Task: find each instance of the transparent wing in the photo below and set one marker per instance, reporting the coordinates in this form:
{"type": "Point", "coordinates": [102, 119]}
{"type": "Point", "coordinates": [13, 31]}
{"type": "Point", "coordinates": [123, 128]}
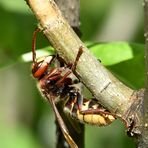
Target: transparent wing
{"type": "Point", "coordinates": [61, 122]}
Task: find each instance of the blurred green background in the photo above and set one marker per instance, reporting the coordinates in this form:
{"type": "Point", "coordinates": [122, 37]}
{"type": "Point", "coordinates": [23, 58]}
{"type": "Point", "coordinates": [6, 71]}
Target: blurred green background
{"type": "Point", "coordinates": [26, 121]}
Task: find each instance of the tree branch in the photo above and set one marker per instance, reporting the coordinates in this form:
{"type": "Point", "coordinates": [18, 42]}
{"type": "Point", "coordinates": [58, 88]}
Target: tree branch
{"type": "Point", "coordinates": [143, 139]}
{"type": "Point", "coordinates": [70, 10]}
{"type": "Point", "coordinates": [109, 91]}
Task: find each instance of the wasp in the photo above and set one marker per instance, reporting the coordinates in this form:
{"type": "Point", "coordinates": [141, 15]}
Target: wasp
{"type": "Point", "coordinates": [56, 85]}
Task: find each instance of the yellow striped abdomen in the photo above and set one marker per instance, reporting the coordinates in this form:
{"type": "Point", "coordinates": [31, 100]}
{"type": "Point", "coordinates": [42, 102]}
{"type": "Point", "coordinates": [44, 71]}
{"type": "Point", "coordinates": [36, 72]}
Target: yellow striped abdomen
{"type": "Point", "coordinates": [91, 113]}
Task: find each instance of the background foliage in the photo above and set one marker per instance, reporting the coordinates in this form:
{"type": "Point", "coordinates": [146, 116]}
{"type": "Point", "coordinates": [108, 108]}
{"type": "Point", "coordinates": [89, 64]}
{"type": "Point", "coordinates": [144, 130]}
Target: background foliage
{"type": "Point", "coordinates": [26, 121]}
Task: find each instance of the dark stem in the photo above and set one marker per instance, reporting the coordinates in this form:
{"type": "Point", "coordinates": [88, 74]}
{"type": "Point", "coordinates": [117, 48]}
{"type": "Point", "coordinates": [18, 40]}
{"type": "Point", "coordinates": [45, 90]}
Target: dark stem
{"type": "Point", "coordinates": [143, 139]}
{"type": "Point", "coordinates": [70, 10]}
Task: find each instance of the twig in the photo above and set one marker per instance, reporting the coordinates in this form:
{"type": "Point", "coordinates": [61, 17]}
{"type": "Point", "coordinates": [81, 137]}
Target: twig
{"type": "Point", "coordinates": [142, 141]}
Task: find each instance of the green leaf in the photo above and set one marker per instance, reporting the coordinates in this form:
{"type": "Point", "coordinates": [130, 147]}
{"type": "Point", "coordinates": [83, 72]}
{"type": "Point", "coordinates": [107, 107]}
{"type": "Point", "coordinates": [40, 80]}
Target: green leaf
{"type": "Point", "coordinates": [114, 52]}
{"type": "Point", "coordinates": [27, 57]}
{"type": "Point", "coordinates": [125, 60]}
{"type": "Point", "coordinates": [131, 72]}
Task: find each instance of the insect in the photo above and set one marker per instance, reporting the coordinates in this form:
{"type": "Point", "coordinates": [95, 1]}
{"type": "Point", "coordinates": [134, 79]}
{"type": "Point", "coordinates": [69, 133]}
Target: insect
{"type": "Point", "coordinates": [52, 84]}
{"type": "Point", "coordinates": [56, 85]}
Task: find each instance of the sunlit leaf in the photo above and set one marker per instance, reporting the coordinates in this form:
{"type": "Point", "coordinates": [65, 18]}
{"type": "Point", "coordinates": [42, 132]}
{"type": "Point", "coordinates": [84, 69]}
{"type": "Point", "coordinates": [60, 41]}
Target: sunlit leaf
{"type": "Point", "coordinates": [125, 60]}
{"type": "Point", "coordinates": [27, 57]}
{"type": "Point", "coordinates": [115, 52]}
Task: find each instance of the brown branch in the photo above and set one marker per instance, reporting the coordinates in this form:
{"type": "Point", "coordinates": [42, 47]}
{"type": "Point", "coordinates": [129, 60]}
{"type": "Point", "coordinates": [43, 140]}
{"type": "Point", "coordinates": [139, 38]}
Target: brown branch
{"type": "Point", "coordinates": [70, 10]}
{"type": "Point", "coordinates": [110, 92]}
